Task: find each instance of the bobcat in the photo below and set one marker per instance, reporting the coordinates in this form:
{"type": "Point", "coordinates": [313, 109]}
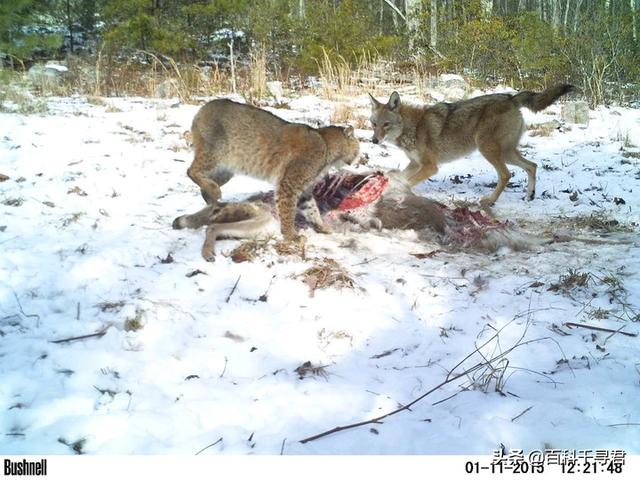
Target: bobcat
{"type": "Point", "coordinates": [230, 137]}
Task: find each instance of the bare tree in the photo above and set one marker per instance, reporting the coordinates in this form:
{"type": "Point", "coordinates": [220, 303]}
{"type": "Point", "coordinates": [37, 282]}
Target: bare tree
{"type": "Point", "coordinates": [434, 24]}
{"type": "Point", "coordinates": [555, 15]}
{"type": "Point", "coordinates": [487, 7]}
{"type": "Point", "coordinates": [632, 6]}
{"type": "Point", "coordinates": [576, 15]}
{"type": "Point", "coordinates": [566, 14]}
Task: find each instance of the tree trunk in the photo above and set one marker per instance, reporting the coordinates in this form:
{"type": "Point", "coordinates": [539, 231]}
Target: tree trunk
{"type": "Point", "coordinates": [556, 15]}
{"type": "Point", "coordinates": [434, 24]}
{"type": "Point", "coordinates": [576, 15]}
{"type": "Point", "coordinates": [70, 26]}
{"type": "Point", "coordinates": [522, 5]}
{"type": "Point", "coordinates": [634, 26]}
{"type": "Point", "coordinates": [487, 7]}
{"type": "Point", "coordinates": [233, 66]}
{"type": "Point", "coordinates": [566, 15]}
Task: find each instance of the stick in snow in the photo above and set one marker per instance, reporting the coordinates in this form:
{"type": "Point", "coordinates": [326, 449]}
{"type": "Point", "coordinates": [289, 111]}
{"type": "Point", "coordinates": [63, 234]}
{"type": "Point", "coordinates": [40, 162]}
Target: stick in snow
{"type": "Point", "coordinates": [233, 289]}
{"type": "Point", "coordinates": [208, 446]}
{"type": "Point", "coordinates": [449, 378]}
{"type": "Point", "coordinates": [600, 329]}
{"type": "Point", "coordinates": [81, 337]}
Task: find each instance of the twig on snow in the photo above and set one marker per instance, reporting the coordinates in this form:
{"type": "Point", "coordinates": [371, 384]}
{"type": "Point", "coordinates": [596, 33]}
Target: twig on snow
{"type": "Point", "coordinates": [209, 446]}
{"type": "Point", "coordinates": [600, 329]}
{"type": "Point", "coordinates": [224, 369]}
{"type": "Point", "coordinates": [32, 315]}
{"type": "Point", "coordinates": [522, 413]}
{"type": "Point", "coordinates": [233, 289]}
{"type": "Point", "coordinates": [451, 377]}
{"type": "Point", "coordinates": [81, 337]}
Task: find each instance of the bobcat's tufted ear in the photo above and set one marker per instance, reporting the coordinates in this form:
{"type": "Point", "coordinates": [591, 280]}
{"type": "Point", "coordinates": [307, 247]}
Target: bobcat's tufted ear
{"type": "Point", "coordinates": [394, 101]}
{"type": "Point", "coordinates": [349, 132]}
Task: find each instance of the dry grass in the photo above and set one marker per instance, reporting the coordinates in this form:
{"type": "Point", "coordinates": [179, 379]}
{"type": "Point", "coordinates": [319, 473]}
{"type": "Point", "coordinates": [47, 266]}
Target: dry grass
{"type": "Point", "coordinates": [598, 314]}
{"type": "Point", "coordinates": [339, 79]}
{"type": "Point", "coordinates": [345, 113]}
{"type": "Point", "coordinates": [257, 88]}
{"type": "Point", "coordinates": [545, 129]}
{"type": "Point", "coordinates": [16, 94]}
{"type": "Point", "coordinates": [152, 75]}
{"type": "Point", "coordinates": [623, 137]}
{"type": "Point", "coordinates": [571, 280]}
{"type": "Point", "coordinates": [286, 248]}
{"type": "Point", "coordinates": [600, 222]}
{"type": "Point", "coordinates": [135, 323]}
{"type": "Point", "coordinates": [326, 273]}
{"type": "Point", "coordinates": [71, 218]}
{"type": "Point", "coordinates": [111, 306]}
{"type": "Point", "coordinates": [158, 77]}
{"type": "Point", "coordinates": [309, 369]}
{"type": "Point", "coordinates": [248, 251]}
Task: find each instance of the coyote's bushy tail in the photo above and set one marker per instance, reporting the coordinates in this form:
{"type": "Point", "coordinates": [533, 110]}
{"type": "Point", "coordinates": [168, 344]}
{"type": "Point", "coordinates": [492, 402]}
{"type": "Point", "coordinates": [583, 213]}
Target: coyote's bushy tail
{"type": "Point", "coordinates": [539, 101]}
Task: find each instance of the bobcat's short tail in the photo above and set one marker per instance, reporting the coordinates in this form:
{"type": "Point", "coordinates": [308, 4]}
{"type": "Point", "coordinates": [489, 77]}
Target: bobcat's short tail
{"type": "Point", "coordinates": [539, 101]}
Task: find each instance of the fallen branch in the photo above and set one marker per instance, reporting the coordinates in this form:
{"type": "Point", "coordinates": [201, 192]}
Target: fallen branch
{"type": "Point", "coordinates": [448, 379]}
{"type": "Point", "coordinates": [522, 413]}
{"type": "Point", "coordinates": [284, 440]}
{"type": "Point", "coordinates": [81, 337]}
{"type": "Point", "coordinates": [27, 315]}
{"type": "Point", "coordinates": [225, 367]}
{"type": "Point", "coordinates": [209, 446]}
{"type": "Point", "coordinates": [233, 289]}
{"type": "Point", "coordinates": [600, 329]}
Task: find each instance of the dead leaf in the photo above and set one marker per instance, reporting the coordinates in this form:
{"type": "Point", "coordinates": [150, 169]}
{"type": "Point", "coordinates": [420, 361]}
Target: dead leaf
{"type": "Point", "coordinates": [77, 190]}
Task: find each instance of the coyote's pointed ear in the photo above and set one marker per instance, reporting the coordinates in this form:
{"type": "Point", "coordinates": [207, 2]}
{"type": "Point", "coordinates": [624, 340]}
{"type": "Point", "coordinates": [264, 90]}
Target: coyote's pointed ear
{"type": "Point", "coordinates": [349, 132]}
{"type": "Point", "coordinates": [394, 101]}
{"type": "Point", "coordinates": [374, 103]}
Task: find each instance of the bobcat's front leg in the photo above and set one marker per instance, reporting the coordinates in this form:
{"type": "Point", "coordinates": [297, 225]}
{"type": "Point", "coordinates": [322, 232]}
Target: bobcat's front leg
{"type": "Point", "coordinates": [308, 206]}
{"type": "Point", "coordinates": [287, 199]}
{"type": "Point", "coordinates": [297, 176]}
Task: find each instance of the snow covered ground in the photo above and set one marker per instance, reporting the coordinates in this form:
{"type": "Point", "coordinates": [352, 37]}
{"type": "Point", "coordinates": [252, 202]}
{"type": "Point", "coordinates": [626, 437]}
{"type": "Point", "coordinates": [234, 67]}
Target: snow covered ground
{"type": "Point", "coordinates": [186, 361]}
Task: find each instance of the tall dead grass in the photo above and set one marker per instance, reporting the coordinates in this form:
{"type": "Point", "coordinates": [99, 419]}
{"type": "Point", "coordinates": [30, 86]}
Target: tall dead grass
{"type": "Point", "coordinates": [159, 76]}
{"type": "Point", "coordinates": [340, 79]}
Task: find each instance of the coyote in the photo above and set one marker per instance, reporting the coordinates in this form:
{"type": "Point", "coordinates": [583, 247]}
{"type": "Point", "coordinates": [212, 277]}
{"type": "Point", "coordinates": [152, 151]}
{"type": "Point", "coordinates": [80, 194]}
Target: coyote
{"type": "Point", "coordinates": [230, 137]}
{"type": "Point", "coordinates": [443, 132]}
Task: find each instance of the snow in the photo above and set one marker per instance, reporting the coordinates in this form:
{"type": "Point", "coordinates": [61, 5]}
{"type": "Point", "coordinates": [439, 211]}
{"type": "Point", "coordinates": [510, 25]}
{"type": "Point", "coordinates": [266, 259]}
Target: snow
{"type": "Point", "coordinates": [57, 67]}
{"type": "Point", "coordinates": [85, 220]}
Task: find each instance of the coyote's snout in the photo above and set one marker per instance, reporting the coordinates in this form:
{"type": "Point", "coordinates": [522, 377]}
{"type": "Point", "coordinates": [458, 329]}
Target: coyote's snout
{"type": "Point", "coordinates": [439, 133]}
